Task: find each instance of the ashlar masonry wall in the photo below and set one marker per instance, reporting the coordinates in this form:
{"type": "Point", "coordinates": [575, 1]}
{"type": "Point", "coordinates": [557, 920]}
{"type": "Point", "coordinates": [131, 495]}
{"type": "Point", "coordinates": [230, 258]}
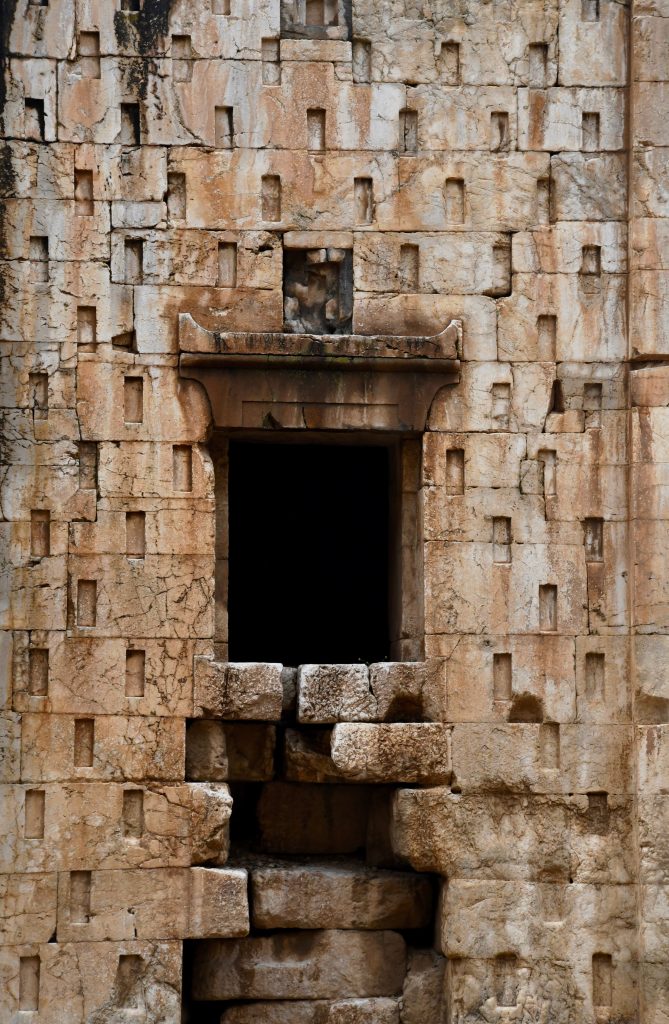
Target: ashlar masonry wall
{"type": "Point", "coordinates": [478, 832]}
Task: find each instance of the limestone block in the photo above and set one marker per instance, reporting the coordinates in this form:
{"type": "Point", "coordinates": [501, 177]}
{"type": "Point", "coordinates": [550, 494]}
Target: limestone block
{"type": "Point", "coordinates": [650, 197]}
{"type": "Point", "coordinates": [404, 691]}
{"type": "Point", "coordinates": [157, 310]}
{"type": "Point", "coordinates": [653, 755]}
{"type": "Point", "coordinates": [608, 594]}
{"type": "Point", "coordinates": [649, 303]}
{"type": "Point", "coordinates": [146, 470]}
{"type": "Point", "coordinates": [559, 249]}
{"type": "Point", "coordinates": [33, 78]}
{"type": "Point", "coordinates": [654, 991]}
{"type": "Point", "coordinates": [654, 931]}
{"type": "Point", "coordinates": [414, 314]}
{"type": "Point", "coordinates": [334, 693]}
{"type": "Point", "coordinates": [651, 578]}
{"type": "Point", "coordinates": [512, 836]}
{"type": "Point", "coordinates": [171, 409]}
{"type": "Point", "coordinates": [487, 918]}
{"type": "Point", "coordinates": [488, 586]}
{"type": "Point", "coordinates": [29, 907]}
{"type": "Point", "coordinates": [393, 753]}
{"type": "Point", "coordinates": [113, 749]}
{"type": "Point", "coordinates": [150, 903]}
{"type": "Point", "coordinates": [588, 186]}
{"type": "Point", "coordinates": [551, 119]}
{"type": "Point", "coordinates": [649, 128]}
{"type": "Point", "coordinates": [491, 460]}
{"type": "Point", "coordinates": [499, 192]}
{"type": "Point", "coordinates": [653, 838]}
{"type": "Point", "coordinates": [96, 981]}
{"type": "Point", "coordinates": [592, 758]}
{"type": "Point", "coordinates": [218, 751]}
{"type": "Point", "coordinates": [459, 118]}
{"type": "Point", "coordinates": [40, 171]}
{"type": "Point", "coordinates": [448, 262]}
{"type": "Point", "coordinates": [218, 903]}
{"type": "Point", "coordinates": [167, 531]}
{"type": "Point", "coordinates": [304, 819]}
{"type": "Point", "coordinates": [34, 596]}
{"type": "Point", "coordinates": [161, 595]}
{"type": "Point", "coordinates": [306, 757]}
{"type": "Point", "coordinates": [338, 896]}
{"type": "Point", "coordinates": [324, 965]}
{"type": "Point", "coordinates": [651, 700]}
{"type": "Point", "coordinates": [10, 746]}
{"type": "Point", "coordinates": [231, 36]}
{"type": "Point", "coordinates": [105, 676]}
{"type": "Point", "coordinates": [125, 174]}
{"type": "Point", "coordinates": [250, 690]}
{"type": "Point", "coordinates": [315, 1011]}
{"type": "Point", "coordinates": [157, 826]}
{"type": "Point", "coordinates": [424, 987]}
{"type": "Point", "coordinates": [589, 327]}
{"type": "Point", "coordinates": [68, 234]}
{"type": "Point", "coordinates": [41, 32]}
{"type": "Point", "coordinates": [464, 409]}
{"type": "Point", "coordinates": [514, 676]}
{"type": "Point", "coordinates": [602, 674]}
{"type": "Point", "coordinates": [593, 53]}
{"type": "Point", "coordinates": [468, 517]}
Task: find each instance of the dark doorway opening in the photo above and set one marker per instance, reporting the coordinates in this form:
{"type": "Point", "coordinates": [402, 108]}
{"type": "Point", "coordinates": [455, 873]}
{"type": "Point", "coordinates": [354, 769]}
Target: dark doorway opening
{"type": "Point", "coordinates": [309, 553]}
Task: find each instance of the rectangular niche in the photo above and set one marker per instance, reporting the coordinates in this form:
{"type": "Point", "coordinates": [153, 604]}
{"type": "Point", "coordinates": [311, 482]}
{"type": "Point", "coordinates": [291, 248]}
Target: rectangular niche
{"type": "Point", "coordinates": [318, 291]}
{"type": "Point", "coordinates": [319, 557]}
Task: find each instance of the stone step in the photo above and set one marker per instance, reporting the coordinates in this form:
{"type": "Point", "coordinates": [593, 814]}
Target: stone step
{"type": "Point", "coordinates": [418, 753]}
{"type": "Point", "coordinates": [330, 964]}
{"type": "Point", "coordinates": [338, 896]}
{"type": "Point", "coordinates": [316, 1011]}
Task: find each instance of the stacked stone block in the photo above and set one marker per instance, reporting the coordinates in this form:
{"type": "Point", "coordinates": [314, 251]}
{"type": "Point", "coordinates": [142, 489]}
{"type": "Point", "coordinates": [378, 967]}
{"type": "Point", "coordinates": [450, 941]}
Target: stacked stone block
{"type": "Point", "coordinates": [499, 163]}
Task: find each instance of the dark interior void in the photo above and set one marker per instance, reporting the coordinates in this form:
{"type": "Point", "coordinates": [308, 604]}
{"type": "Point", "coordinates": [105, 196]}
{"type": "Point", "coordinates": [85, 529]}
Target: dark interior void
{"type": "Point", "coordinates": [309, 550]}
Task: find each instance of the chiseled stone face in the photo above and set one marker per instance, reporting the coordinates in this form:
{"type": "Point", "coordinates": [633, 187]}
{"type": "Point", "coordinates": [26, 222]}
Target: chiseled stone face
{"type": "Point", "coordinates": [434, 233]}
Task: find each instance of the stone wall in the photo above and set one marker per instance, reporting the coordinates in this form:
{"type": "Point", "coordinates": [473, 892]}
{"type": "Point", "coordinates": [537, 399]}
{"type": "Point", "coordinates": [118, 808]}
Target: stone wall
{"type": "Point", "coordinates": [476, 831]}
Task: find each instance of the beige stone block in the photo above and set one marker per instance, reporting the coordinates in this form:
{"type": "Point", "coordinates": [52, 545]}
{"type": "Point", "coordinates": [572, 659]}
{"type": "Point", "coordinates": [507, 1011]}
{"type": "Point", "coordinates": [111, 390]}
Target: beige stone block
{"type": "Point", "coordinates": [29, 907]}
{"type": "Point", "coordinates": [125, 174]}
{"type": "Point", "coordinates": [552, 119]}
{"type": "Point", "coordinates": [592, 758]}
{"type": "Point", "coordinates": [651, 578]}
{"type": "Point", "coordinates": [41, 171]}
{"type": "Point", "coordinates": [146, 469]}
{"type": "Point", "coordinates": [240, 751]}
{"type": "Point", "coordinates": [84, 822]}
{"type": "Point", "coordinates": [649, 303]}
{"type": "Point", "coordinates": [338, 896]}
{"type": "Point", "coordinates": [392, 753]}
{"type": "Point", "coordinates": [167, 531]}
{"type": "Point", "coordinates": [219, 903]}
{"type": "Point", "coordinates": [112, 748]}
{"type": "Point", "coordinates": [10, 746]}
{"type": "Point", "coordinates": [163, 595]}
{"type": "Point", "coordinates": [653, 754]}
{"type": "Point", "coordinates": [334, 693]}
{"type": "Point", "coordinates": [312, 819]}
{"type": "Point", "coordinates": [469, 408]}
{"type": "Point", "coordinates": [491, 460]}
{"type": "Point", "coordinates": [588, 186]}
{"type": "Point", "coordinates": [105, 676]}
{"type": "Point", "coordinates": [250, 690]}
{"type": "Point", "coordinates": [515, 676]}
{"type": "Point", "coordinates": [593, 52]}
{"type": "Point", "coordinates": [558, 249]}
{"type": "Point", "coordinates": [648, 182]}
{"type": "Point", "coordinates": [85, 981]}
{"type": "Point", "coordinates": [427, 315]}
{"type": "Point", "coordinates": [306, 757]}
{"type": "Point", "coordinates": [34, 596]}
{"type": "Point", "coordinates": [405, 691]}
{"type": "Point", "coordinates": [651, 699]}
{"type": "Point", "coordinates": [649, 126]}
{"type": "Point", "coordinates": [170, 409]}
{"type": "Point", "coordinates": [654, 992]}
{"type": "Point", "coordinates": [233, 36]}
{"type": "Point", "coordinates": [459, 118]}
{"type": "Point", "coordinates": [41, 32]}
{"type": "Point", "coordinates": [313, 1011]}
{"type": "Point", "coordinates": [499, 192]}
{"type": "Point", "coordinates": [488, 918]}
{"type": "Point", "coordinates": [653, 811]}
{"type": "Point", "coordinates": [151, 903]}
{"type": "Point", "coordinates": [654, 929]}
{"type": "Point", "coordinates": [337, 964]}
{"type": "Point", "coordinates": [505, 598]}
{"type": "Point", "coordinates": [69, 235]}
{"type": "Point", "coordinates": [424, 987]}
{"type": "Point", "coordinates": [589, 325]}
{"type": "Point", "coordinates": [602, 679]}
{"type": "Point", "coordinates": [33, 78]}
{"type": "Point", "coordinates": [468, 263]}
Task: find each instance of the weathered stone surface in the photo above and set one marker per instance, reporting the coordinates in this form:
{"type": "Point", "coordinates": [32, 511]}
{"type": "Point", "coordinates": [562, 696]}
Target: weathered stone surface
{"type": "Point", "coordinates": [393, 753]}
{"type": "Point", "coordinates": [316, 1011]}
{"type": "Point", "coordinates": [339, 897]}
{"type": "Point", "coordinates": [318, 965]}
{"type": "Point", "coordinates": [237, 690]}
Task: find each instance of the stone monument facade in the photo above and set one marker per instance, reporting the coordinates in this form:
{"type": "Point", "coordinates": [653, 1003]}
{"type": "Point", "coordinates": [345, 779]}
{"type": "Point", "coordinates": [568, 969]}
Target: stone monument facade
{"type": "Point", "coordinates": [334, 501]}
